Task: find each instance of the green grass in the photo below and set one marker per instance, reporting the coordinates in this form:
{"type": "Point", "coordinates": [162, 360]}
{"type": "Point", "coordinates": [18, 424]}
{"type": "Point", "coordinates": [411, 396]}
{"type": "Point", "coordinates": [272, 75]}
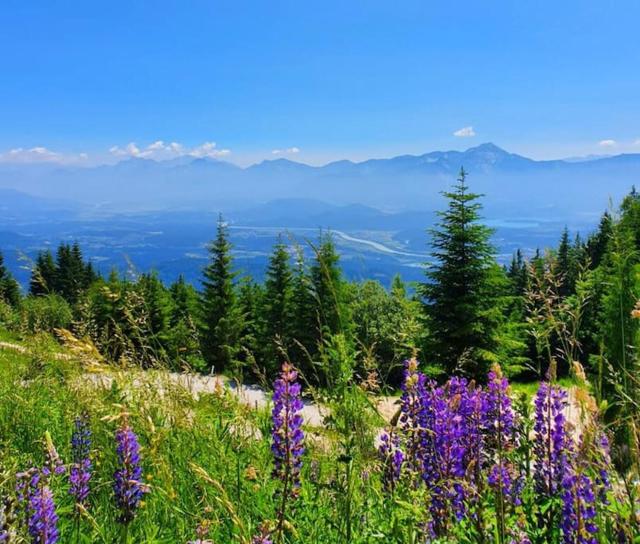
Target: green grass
{"type": "Point", "coordinates": [183, 439]}
{"type": "Point", "coordinates": [206, 459]}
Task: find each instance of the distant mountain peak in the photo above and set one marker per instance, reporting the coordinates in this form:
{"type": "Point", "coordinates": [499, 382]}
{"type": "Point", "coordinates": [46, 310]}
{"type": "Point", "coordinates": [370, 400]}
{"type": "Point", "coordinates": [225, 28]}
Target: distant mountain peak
{"type": "Point", "coordinates": [488, 147]}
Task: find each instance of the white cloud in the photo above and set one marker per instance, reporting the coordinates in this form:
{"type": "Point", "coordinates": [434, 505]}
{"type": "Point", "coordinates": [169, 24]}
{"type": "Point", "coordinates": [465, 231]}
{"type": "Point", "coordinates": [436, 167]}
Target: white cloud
{"type": "Point", "coordinates": [160, 150]}
{"type": "Point", "coordinates": [288, 151]}
{"type": "Point", "coordinates": [208, 149]}
{"type": "Point", "coordinates": [465, 132]}
{"type": "Point", "coordinates": [607, 143]}
{"type": "Point", "coordinates": [39, 154]}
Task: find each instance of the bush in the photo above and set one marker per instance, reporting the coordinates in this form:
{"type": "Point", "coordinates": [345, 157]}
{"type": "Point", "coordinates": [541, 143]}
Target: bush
{"type": "Point", "coordinates": [44, 314]}
{"type": "Point", "coordinates": [8, 317]}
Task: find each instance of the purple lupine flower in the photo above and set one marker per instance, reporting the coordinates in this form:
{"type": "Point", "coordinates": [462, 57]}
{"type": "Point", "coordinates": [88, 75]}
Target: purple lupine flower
{"type": "Point", "coordinates": [43, 519]}
{"type": "Point", "coordinates": [128, 486]}
{"type": "Point", "coordinates": [500, 437]}
{"type": "Point", "coordinates": [474, 409]}
{"type": "Point", "coordinates": [287, 435]}
{"type": "Point", "coordinates": [578, 509]}
{"type": "Point", "coordinates": [602, 462]}
{"type": "Point", "coordinates": [551, 441]}
{"type": "Point", "coordinates": [413, 414]}
{"type": "Point", "coordinates": [80, 470]}
{"type": "Point", "coordinates": [499, 415]}
{"type": "Point", "coordinates": [7, 530]}
{"type": "Point", "coordinates": [263, 537]}
{"type": "Point", "coordinates": [36, 500]}
{"type": "Point", "coordinates": [392, 458]}
{"type": "Point", "coordinates": [446, 467]}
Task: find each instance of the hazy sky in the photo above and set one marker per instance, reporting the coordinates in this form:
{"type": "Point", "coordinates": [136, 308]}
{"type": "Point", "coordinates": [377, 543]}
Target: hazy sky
{"type": "Point", "coordinates": [316, 81]}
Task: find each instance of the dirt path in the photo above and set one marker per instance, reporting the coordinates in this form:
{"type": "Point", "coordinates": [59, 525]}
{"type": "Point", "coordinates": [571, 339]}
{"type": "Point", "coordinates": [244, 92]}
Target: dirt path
{"type": "Point", "coordinates": [250, 395]}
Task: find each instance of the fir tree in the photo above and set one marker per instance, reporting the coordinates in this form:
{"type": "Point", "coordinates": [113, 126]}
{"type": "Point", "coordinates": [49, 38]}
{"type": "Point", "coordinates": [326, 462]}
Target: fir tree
{"type": "Point", "coordinates": [184, 300]}
{"type": "Point", "coordinates": [458, 293]}
{"type": "Point", "coordinates": [157, 310]}
{"type": "Point", "coordinates": [278, 306]}
{"type": "Point", "coordinates": [43, 275]}
{"type": "Point", "coordinates": [398, 287]}
{"type": "Point", "coordinates": [9, 288]}
{"type": "Point", "coordinates": [564, 264]}
{"type": "Point", "coordinates": [305, 320]}
{"type": "Point", "coordinates": [517, 274]}
{"type": "Point", "coordinates": [598, 242]}
{"type": "Point", "coordinates": [328, 289]}
{"type": "Point", "coordinates": [221, 319]}
{"type": "Point", "coordinates": [250, 302]}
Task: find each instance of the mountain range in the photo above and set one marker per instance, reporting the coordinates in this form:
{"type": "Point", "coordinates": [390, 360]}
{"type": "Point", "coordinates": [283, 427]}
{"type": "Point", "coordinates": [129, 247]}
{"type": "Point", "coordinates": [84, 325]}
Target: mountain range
{"type": "Point", "coordinates": [513, 184]}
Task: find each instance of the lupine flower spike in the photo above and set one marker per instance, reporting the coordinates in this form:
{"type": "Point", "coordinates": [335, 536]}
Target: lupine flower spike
{"type": "Point", "coordinates": [392, 458]}
{"type": "Point", "coordinates": [578, 509]}
{"type": "Point", "coordinates": [501, 440]}
{"type": "Point", "coordinates": [80, 470]}
{"type": "Point", "coordinates": [36, 498]}
{"type": "Point", "coordinates": [287, 437]}
{"type": "Point", "coordinates": [263, 537]}
{"type": "Point", "coordinates": [128, 486]}
{"type": "Point", "coordinates": [551, 442]}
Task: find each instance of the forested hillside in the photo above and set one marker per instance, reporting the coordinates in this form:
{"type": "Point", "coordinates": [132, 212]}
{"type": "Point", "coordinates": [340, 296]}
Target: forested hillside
{"type": "Point", "coordinates": [561, 325]}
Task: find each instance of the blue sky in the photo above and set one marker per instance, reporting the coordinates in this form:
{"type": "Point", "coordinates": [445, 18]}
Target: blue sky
{"type": "Point", "coordinates": [316, 81]}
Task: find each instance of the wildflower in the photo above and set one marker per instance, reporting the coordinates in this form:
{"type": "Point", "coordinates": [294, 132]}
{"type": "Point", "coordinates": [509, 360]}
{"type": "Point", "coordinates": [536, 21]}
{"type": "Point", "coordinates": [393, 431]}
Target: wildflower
{"type": "Point", "coordinates": [500, 437]}
{"type": "Point", "coordinates": [413, 414]}
{"type": "Point", "coordinates": [128, 486]}
{"type": "Point", "coordinates": [578, 509]}
{"type": "Point", "coordinates": [287, 439]}
{"type": "Point", "coordinates": [392, 458]}
{"type": "Point", "coordinates": [444, 454]}
{"type": "Point", "coordinates": [43, 519]}
{"type": "Point", "coordinates": [263, 536]}
{"type": "Point", "coordinates": [202, 531]}
{"type": "Point", "coordinates": [474, 408]}
{"type": "Point", "coordinates": [80, 470]}
{"type": "Point", "coordinates": [551, 442]}
{"type": "Point", "coordinates": [34, 494]}
{"type": "Point", "coordinates": [287, 435]}
{"type": "Point", "coordinates": [7, 519]}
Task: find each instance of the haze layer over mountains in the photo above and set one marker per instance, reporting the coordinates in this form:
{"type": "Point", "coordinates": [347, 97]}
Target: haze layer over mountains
{"type": "Point", "coordinates": [513, 184]}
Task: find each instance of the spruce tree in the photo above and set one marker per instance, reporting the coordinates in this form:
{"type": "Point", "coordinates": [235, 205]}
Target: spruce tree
{"type": "Point", "coordinates": [250, 302]}
{"type": "Point", "coordinates": [564, 264]}
{"type": "Point", "coordinates": [305, 320]}
{"type": "Point", "coordinates": [278, 310]}
{"type": "Point", "coordinates": [9, 288]}
{"type": "Point", "coordinates": [71, 272]}
{"type": "Point", "coordinates": [157, 310]}
{"type": "Point", "coordinates": [328, 288]}
{"type": "Point", "coordinates": [517, 274]}
{"type": "Point", "coordinates": [221, 319]}
{"type": "Point", "coordinates": [43, 275]}
{"type": "Point", "coordinates": [184, 301]}
{"type": "Point", "coordinates": [598, 242]}
{"type": "Point", "coordinates": [458, 295]}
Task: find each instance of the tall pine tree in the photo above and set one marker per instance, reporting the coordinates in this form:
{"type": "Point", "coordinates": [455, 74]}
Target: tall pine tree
{"type": "Point", "coordinates": [328, 289]}
{"type": "Point", "coordinates": [9, 288]}
{"type": "Point", "coordinates": [458, 293]}
{"type": "Point", "coordinates": [278, 306]}
{"type": "Point", "coordinates": [221, 318]}
{"type": "Point", "coordinates": [305, 320]}
{"type": "Point", "coordinates": [43, 275]}
{"type": "Point", "coordinates": [564, 265]}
